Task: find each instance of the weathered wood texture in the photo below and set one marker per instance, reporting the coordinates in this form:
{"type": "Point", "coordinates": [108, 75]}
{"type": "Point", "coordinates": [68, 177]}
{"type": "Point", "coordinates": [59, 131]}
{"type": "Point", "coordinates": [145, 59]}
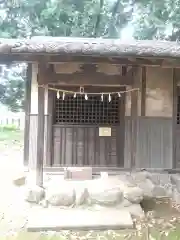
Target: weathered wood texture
{"type": "Point", "coordinates": [81, 145]}
{"type": "Point", "coordinates": [48, 138]}
{"type": "Point", "coordinates": [159, 92]}
{"type": "Point", "coordinates": [133, 61]}
{"type": "Point", "coordinates": [87, 75]}
{"type": "Point", "coordinates": [33, 141]}
{"type": "Point", "coordinates": [40, 138]}
{"type": "Point", "coordinates": [27, 113]}
{"type": "Point", "coordinates": [175, 127]}
{"type": "Point", "coordinates": [154, 143]}
{"type": "Point", "coordinates": [143, 92]}
{"type": "Point", "coordinates": [134, 115]}
{"type": "Point", "coordinates": [121, 141]}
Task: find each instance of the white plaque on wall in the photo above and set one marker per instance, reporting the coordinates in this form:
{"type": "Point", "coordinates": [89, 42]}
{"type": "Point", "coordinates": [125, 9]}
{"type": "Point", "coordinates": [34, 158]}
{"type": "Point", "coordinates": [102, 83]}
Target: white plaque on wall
{"type": "Point", "coordinates": [104, 132]}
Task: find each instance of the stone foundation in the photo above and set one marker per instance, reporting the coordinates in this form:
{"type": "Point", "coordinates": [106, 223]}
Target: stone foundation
{"type": "Point", "coordinates": [124, 191]}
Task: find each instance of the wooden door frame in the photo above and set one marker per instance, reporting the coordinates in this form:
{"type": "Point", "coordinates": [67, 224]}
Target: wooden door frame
{"type": "Point", "coordinates": [176, 89]}
{"type": "Point", "coordinates": [120, 147]}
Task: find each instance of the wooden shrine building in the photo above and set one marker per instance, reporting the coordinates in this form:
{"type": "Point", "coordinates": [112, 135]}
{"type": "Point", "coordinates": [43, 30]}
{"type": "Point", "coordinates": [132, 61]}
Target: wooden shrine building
{"type": "Point", "coordinates": [99, 102]}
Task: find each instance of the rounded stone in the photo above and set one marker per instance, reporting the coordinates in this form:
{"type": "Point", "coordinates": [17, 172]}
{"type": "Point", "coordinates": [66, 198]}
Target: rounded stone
{"type": "Point", "coordinates": [125, 203]}
{"type": "Point", "coordinates": [57, 196]}
{"type": "Point", "coordinates": [34, 194]}
{"type": "Point", "coordinates": [176, 196]}
{"type": "Point", "coordinates": [134, 194]}
{"type": "Point", "coordinates": [140, 176]}
{"type": "Point", "coordinates": [159, 192]}
{"type": "Point", "coordinates": [108, 196]}
{"type": "Point", "coordinates": [155, 178]}
{"type": "Point", "coordinates": [169, 191]}
{"type": "Point", "coordinates": [147, 187]}
{"type": "Point", "coordinates": [175, 180]}
{"type": "Point", "coordinates": [136, 211]}
{"type": "Point", "coordinates": [81, 195]}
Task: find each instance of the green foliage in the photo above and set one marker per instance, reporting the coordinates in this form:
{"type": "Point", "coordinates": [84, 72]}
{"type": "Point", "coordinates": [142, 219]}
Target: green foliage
{"type": "Point", "coordinates": [157, 19]}
{"type": "Point", "coordinates": [89, 18]}
{"type": "Point", "coordinates": [12, 87]}
{"type": "Point", "coordinates": [77, 18]}
{"type": "Point", "coordinates": [8, 128]}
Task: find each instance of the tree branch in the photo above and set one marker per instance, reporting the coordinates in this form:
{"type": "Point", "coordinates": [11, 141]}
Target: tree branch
{"type": "Point", "coordinates": [98, 20]}
{"type": "Point", "coordinates": [113, 14]}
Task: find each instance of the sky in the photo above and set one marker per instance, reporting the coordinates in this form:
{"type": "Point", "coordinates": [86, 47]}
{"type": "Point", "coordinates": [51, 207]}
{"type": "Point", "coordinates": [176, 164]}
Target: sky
{"type": "Point", "coordinates": [127, 33]}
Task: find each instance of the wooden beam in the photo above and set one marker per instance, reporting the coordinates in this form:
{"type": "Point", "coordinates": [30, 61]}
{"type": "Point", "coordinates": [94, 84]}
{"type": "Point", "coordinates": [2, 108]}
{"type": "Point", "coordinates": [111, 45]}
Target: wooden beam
{"type": "Point", "coordinates": [92, 79]}
{"type": "Point", "coordinates": [40, 132]}
{"type": "Point", "coordinates": [27, 113]}
{"type": "Point", "coordinates": [131, 61]}
{"type": "Point", "coordinates": [45, 72]}
{"type": "Point", "coordinates": [134, 116]}
{"type": "Point", "coordinates": [85, 78]}
{"type": "Point", "coordinates": [143, 92]}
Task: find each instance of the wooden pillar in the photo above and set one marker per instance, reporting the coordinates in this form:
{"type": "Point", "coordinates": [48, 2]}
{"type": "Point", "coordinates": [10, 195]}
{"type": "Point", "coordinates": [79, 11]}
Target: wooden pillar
{"type": "Point", "coordinates": [121, 139]}
{"type": "Point", "coordinates": [134, 116]}
{"type": "Point", "coordinates": [175, 73]}
{"type": "Point", "coordinates": [143, 92]}
{"type": "Point", "coordinates": [48, 129]}
{"type": "Point", "coordinates": [40, 130]}
{"type": "Point", "coordinates": [27, 113]}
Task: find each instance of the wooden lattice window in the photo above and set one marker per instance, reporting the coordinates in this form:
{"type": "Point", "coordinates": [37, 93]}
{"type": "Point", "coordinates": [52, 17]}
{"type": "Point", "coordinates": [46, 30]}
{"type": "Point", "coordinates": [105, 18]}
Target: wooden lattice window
{"type": "Point", "coordinates": [92, 111]}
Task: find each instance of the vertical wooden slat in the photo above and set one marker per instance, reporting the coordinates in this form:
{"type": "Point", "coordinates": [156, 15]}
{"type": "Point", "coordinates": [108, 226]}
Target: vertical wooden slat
{"type": "Point", "coordinates": [27, 113]}
{"type": "Point", "coordinates": [143, 92]}
{"type": "Point", "coordinates": [120, 142]}
{"type": "Point", "coordinates": [40, 133]}
{"type": "Point", "coordinates": [134, 115]}
{"type": "Point", "coordinates": [49, 125]}
{"type": "Point", "coordinates": [174, 116]}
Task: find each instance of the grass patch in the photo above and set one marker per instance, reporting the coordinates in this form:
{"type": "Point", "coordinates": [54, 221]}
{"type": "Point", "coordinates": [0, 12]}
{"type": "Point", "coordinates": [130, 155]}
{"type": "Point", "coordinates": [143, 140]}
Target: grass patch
{"type": "Point", "coordinates": [106, 235]}
{"type": "Point", "coordinates": [10, 127]}
{"type": "Point", "coordinates": [9, 138]}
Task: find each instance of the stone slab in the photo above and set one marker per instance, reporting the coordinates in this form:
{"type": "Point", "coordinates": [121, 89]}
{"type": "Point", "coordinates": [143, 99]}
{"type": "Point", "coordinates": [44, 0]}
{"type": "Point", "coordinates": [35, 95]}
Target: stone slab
{"type": "Point", "coordinates": [78, 173]}
{"type": "Point", "coordinates": [78, 219]}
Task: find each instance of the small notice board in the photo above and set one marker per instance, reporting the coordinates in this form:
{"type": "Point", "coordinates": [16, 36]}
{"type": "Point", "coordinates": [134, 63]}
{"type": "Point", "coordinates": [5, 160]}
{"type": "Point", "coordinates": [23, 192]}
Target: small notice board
{"type": "Point", "coordinates": [104, 132]}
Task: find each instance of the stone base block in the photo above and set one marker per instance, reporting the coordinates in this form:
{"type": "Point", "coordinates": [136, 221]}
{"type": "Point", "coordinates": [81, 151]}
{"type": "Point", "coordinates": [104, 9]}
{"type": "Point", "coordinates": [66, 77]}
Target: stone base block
{"type": "Point", "coordinates": [78, 219]}
{"type": "Point", "coordinates": [78, 173]}
{"type": "Point", "coordinates": [34, 194]}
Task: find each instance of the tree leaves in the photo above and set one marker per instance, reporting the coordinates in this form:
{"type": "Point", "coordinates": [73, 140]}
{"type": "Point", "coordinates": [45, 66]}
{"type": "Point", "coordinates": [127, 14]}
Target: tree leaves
{"type": "Point", "coordinates": [158, 19]}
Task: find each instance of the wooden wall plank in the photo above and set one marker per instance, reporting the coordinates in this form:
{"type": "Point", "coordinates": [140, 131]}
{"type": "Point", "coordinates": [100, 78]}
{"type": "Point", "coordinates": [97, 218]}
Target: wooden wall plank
{"type": "Point", "coordinates": [81, 145]}
{"type": "Point", "coordinates": [154, 143]}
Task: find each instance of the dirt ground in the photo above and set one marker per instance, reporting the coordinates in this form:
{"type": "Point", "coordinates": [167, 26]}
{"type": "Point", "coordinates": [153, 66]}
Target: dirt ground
{"type": "Point", "coordinates": [13, 210]}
